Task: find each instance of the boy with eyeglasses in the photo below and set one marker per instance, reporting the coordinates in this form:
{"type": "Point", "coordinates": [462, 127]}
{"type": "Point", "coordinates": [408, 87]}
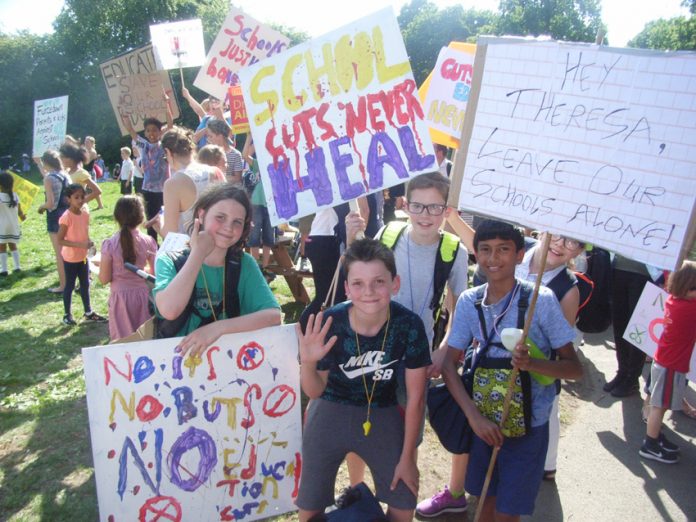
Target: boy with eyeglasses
{"type": "Point", "coordinates": [416, 250]}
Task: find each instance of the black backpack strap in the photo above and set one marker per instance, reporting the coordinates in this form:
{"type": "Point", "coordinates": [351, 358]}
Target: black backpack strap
{"type": "Point", "coordinates": [562, 283]}
{"type": "Point", "coordinates": [523, 303]}
{"type": "Point", "coordinates": [166, 328]}
{"type": "Point", "coordinates": [233, 272]}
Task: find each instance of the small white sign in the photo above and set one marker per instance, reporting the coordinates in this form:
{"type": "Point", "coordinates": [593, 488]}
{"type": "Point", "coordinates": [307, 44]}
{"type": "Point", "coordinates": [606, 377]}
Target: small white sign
{"type": "Point", "coordinates": [178, 44]}
{"type": "Point", "coordinates": [50, 124]}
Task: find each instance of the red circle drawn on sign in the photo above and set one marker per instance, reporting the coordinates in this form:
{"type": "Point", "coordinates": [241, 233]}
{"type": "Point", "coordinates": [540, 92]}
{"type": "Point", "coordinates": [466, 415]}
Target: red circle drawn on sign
{"type": "Point", "coordinates": [280, 396]}
{"type": "Point", "coordinates": [160, 508]}
{"type": "Point", "coordinates": [246, 358]}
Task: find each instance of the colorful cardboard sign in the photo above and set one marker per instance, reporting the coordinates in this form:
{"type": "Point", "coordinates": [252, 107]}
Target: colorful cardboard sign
{"type": "Point", "coordinates": [26, 191]}
{"type": "Point", "coordinates": [216, 437]}
{"type": "Point", "coordinates": [238, 113]}
{"type": "Point", "coordinates": [50, 124]}
{"type": "Point", "coordinates": [445, 93]}
{"type": "Point", "coordinates": [178, 44]}
{"type": "Point", "coordinates": [242, 41]}
{"type": "Point", "coordinates": [589, 142]}
{"type": "Point", "coordinates": [130, 82]}
{"type": "Point", "coordinates": [647, 323]}
{"type": "Point", "coordinates": [336, 118]}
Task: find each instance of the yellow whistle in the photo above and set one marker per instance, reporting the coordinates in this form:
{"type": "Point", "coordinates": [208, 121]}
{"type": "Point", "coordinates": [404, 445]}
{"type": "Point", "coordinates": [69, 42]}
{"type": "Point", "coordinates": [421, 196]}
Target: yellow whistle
{"type": "Point", "coordinates": [366, 427]}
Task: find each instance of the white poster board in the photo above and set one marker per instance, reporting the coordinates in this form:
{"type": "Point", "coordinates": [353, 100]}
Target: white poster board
{"type": "Point", "coordinates": [647, 323]}
{"type": "Point", "coordinates": [336, 118]}
{"type": "Point", "coordinates": [139, 62]}
{"type": "Point", "coordinates": [50, 124]}
{"type": "Point", "coordinates": [594, 143]}
{"type": "Point", "coordinates": [211, 438]}
{"type": "Point", "coordinates": [448, 91]}
{"type": "Point", "coordinates": [178, 44]}
{"type": "Point", "coordinates": [241, 41]}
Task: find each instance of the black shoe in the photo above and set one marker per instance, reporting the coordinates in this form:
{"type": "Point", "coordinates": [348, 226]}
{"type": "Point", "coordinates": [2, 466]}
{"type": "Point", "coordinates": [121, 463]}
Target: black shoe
{"type": "Point", "coordinates": [624, 390]}
{"type": "Point", "coordinates": [667, 445]}
{"type": "Point", "coordinates": [657, 453]}
{"type": "Point", "coordinates": [3, 274]}
{"type": "Point", "coordinates": [609, 386]}
{"type": "Point", "coordinates": [68, 319]}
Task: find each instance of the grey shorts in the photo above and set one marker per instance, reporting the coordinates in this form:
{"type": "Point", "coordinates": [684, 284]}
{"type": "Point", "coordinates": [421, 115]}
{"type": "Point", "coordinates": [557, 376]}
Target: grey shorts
{"type": "Point", "coordinates": [667, 387]}
{"type": "Point", "coordinates": [332, 431]}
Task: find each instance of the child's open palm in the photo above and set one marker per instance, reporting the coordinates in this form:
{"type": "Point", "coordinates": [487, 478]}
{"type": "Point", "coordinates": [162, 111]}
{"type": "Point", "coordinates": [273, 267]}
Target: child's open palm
{"type": "Point", "coordinates": [312, 345]}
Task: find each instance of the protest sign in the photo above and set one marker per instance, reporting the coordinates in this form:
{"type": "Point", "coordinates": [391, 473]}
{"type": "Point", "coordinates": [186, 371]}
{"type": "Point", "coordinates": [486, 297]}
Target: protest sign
{"type": "Point", "coordinates": [178, 44]}
{"type": "Point", "coordinates": [242, 41]}
{"type": "Point", "coordinates": [590, 142]}
{"type": "Point", "coordinates": [648, 321]}
{"type": "Point", "coordinates": [50, 124]}
{"type": "Point", "coordinates": [445, 93]}
{"type": "Point", "coordinates": [336, 118]}
{"type": "Point", "coordinates": [130, 80]}
{"type": "Point", "coordinates": [238, 113]}
{"type": "Point", "coordinates": [26, 191]}
{"type": "Point", "coordinates": [214, 437]}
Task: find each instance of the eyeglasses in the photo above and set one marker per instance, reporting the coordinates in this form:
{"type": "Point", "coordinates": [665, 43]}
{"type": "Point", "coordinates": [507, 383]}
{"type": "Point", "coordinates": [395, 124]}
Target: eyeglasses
{"type": "Point", "coordinates": [570, 244]}
{"type": "Point", "coordinates": [433, 209]}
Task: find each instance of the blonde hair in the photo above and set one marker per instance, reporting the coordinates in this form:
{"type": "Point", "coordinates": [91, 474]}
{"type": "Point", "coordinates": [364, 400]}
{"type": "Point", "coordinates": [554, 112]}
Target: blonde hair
{"type": "Point", "coordinates": [126, 150]}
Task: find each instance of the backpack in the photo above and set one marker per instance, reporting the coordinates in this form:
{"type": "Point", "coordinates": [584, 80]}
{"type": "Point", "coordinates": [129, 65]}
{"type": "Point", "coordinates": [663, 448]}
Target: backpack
{"type": "Point", "coordinates": [447, 255]}
{"type": "Point", "coordinates": [567, 279]}
{"type": "Point", "coordinates": [166, 328]}
{"type": "Point", "coordinates": [594, 315]}
{"type": "Point", "coordinates": [250, 179]}
{"type": "Point", "coordinates": [62, 202]}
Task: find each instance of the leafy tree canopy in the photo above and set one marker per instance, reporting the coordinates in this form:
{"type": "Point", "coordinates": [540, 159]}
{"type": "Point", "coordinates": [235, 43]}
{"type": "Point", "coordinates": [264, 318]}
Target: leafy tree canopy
{"type": "Point", "coordinates": [674, 34]}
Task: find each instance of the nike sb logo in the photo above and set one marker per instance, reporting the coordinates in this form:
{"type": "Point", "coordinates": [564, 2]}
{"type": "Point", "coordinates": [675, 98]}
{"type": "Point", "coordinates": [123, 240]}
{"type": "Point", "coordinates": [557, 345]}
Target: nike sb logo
{"type": "Point", "coordinates": [370, 362]}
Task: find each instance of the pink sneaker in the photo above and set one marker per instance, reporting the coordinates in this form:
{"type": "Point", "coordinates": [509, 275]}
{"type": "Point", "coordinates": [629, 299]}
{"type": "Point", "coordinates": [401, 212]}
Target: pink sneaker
{"type": "Point", "coordinates": [441, 502]}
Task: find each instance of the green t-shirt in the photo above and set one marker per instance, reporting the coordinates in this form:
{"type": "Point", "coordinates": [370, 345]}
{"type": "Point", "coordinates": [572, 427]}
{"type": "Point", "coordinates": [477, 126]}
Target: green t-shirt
{"type": "Point", "coordinates": [254, 293]}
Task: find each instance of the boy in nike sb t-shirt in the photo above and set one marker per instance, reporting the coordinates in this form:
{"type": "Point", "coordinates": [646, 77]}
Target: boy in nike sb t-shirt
{"type": "Point", "coordinates": [349, 358]}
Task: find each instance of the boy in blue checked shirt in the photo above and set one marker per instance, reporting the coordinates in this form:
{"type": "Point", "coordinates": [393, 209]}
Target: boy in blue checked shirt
{"type": "Point", "coordinates": [481, 314]}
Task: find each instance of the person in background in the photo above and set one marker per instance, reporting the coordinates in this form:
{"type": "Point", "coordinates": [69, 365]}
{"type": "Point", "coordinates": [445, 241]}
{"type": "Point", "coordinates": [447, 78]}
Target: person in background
{"type": "Point", "coordinates": [55, 183]}
{"type": "Point", "coordinates": [10, 214]}
{"type": "Point", "coordinates": [89, 165]}
{"type": "Point", "coordinates": [218, 133]}
{"type": "Point", "coordinates": [73, 158]}
{"type": "Point", "coordinates": [126, 173]}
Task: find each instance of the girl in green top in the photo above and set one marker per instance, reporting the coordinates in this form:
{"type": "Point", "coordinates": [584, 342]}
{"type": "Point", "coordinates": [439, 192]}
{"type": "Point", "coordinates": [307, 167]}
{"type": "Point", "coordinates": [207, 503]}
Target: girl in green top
{"type": "Point", "coordinates": [222, 220]}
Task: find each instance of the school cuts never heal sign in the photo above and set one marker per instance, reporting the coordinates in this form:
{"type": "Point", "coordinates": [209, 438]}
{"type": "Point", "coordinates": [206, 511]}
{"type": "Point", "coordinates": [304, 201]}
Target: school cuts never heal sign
{"type": "Point", "coordinates": [50, 123]}
{"type": "Point", "coordinates": [336, 118]}
{"type": "Point", "coordinates": [216, 437]}
{"type": "Point", "coordinates": [594, 143]}
{"type": "Point", "coordinates": [648, 321]}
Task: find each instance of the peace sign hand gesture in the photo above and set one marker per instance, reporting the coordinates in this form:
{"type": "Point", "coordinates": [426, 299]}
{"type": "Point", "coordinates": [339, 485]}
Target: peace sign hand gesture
{"type": "Point", "coordinates": [312, 345]}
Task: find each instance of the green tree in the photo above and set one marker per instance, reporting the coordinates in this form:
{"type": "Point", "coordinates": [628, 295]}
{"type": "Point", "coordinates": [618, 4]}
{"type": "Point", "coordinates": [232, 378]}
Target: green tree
{"type": "Point", "coordinates": [674, 34]}
{"type": "Point", "coordinates": [569, 20]}
{"type": "Point", "coordinates": [430, 29]}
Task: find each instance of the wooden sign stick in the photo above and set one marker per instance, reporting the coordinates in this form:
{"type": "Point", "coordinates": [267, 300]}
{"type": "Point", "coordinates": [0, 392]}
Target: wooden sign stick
{"type": "Point", "coordinates": [513, 375]}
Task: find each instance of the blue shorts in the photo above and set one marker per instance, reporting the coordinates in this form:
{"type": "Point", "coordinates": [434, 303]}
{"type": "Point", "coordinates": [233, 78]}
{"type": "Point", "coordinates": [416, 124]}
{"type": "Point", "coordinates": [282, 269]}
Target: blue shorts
{"type": "Point", "coordinates": [262, 233]}
{"type": "Point", "coordinates": [52, 217]}
{"type": "Point", "coordinates": [517, 474]}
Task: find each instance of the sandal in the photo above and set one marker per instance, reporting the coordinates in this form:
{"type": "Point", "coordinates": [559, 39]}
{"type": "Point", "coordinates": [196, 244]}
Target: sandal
{"type": "Point", "coordinates": [55, 290]}
{"type": "Point", "coordinates": [688, 409]}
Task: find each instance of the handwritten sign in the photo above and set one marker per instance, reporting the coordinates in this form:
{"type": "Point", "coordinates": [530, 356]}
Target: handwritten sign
{"type": "Point", "coordinates": [215, 437]}
{"type": "Point", "coordinates": [178, 44]}
{"type": "Point", "coordinates": [26, 190]}
{"type": "Point", "coordinates": [590, 142]}
{"type": "Point", "coordinates": [173, 242]}
{"type": "Point", "coordinates": [445, 93]}
{"type": "Point", "coordinates": [336, 118]}
{"type": "Point", "coordinates": [242, 41]}
{"type": "Point", "coordinates": [50, 123]}
{"type": "Point", "coordinates": [238, 113]}
{"type": "Point", "coordinates": [129, 80]}
{"type": "Point", "coordinates": [648, 322]}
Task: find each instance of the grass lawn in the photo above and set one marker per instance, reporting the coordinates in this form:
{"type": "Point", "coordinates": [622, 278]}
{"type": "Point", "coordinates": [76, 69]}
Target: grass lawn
{"type": "Point", "coordinates": [45, 456]}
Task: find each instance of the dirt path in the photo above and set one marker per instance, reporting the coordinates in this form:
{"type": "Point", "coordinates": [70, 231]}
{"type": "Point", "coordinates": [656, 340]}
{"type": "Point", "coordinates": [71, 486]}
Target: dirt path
{"type": "Point", "coordinates": [600, 475]}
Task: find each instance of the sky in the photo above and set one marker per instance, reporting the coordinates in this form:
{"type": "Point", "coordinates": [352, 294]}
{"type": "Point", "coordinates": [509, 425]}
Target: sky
{"type": "Point", "coordinates": [624, 18]}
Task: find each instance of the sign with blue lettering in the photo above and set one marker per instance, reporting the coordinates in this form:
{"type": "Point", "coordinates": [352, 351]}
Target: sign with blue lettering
{"type": "Point", "coordinates": [213, 437]}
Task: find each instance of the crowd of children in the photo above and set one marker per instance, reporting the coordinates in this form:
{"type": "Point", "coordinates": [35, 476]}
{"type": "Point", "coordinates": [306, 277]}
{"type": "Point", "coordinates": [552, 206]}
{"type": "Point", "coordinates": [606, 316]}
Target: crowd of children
{"type": "Point", "coordinates": [365, 362]}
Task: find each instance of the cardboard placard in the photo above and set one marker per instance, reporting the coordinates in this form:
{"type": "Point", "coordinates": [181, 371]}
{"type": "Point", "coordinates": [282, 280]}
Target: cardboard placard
{"type": "Point", "coordinates": [590, 142]}
{"type": "Point", "coordinates": [50, 124]}
{"type": "Point", "coordinates": [242, 41]}
{"type": "Point", "coordinates": [445, 93]}
{"type": "Point", "coordinates": [647, 323]}
{"type": "Point", "coordinates": [336, 118]}
{"type": "Point", "coordinates": [216, 437]}
{"type": "Point", "coordinates": [117, 74]}
{"type": "Point", "coordinates": [26, 191]}
{"type": "Point", "coordinates": [178, 44]}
